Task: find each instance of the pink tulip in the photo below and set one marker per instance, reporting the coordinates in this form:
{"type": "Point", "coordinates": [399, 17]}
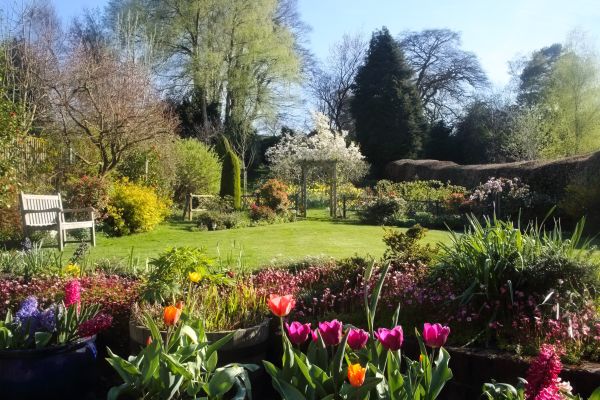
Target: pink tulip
{"type": "Point", "coordinates": [315, 335]}
{"type": "Point", "coordinates": [357, 339]}
{"type": "Point", "coordinates": [435, 335]}
{"type": "Point", "coordinates": [331, 332]}
{"type": "Point", "coordinates": [297, 332]}
{"type": "Point", "coordinates": [391, 339]}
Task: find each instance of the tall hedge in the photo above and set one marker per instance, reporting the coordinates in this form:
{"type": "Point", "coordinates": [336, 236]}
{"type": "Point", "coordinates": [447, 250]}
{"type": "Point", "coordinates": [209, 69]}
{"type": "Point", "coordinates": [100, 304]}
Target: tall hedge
{"type": "Point", "coordinates": [230, 175]}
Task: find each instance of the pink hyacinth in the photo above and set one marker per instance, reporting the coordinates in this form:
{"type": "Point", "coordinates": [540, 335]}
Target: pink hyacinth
{"type": "Point", "coordinates": [331, 332]}
{"type": "Point", "coordinates": [391, 339]}
{"type": "Point", "coordinates": [297, 332]}
{"type": "Point", "coordinates": [542, 376]}
{"type": "Point", "coordinates": [357, 339]}
{"type": "Point", "coordinates": [435, 335]}
{"type": "Point", "coordinates": [72, 292]}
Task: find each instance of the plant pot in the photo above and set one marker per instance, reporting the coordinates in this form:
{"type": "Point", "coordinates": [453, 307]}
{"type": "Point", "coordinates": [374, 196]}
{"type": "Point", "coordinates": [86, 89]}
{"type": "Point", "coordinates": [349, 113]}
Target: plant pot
{"type": "Point", "coordinates": [59, 372]}
{"type": "Point", "coordinates": [248, 345]}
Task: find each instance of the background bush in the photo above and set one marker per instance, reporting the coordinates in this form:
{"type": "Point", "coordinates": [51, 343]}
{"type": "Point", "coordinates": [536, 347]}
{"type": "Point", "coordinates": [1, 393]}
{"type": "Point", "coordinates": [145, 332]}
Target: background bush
{"type": "Point", "coordinates": [230, 176]}
{"type": "Point", "coordinates": [162, 167]}
{"type": "Point", "coordinates": [198, 169]}
{"type": "Point", "coordinates": [88, 191]}
{"type": "Point", "coordinates": [135, 208]}
{"type": "Point", "coordinates": [273, 194]}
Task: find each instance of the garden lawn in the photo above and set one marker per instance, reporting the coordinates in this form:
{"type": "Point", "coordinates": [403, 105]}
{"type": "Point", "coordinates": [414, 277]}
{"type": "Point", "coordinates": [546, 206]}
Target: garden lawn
{"type": "Point", "coordinates": [258, 246]}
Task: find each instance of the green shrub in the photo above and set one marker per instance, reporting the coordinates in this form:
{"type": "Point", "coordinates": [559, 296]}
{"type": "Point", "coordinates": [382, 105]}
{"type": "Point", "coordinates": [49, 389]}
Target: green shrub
{"type": "Point", "coordinates": [382, 211]}
{"type": "Point", "coordinates": [404, 247]}
{"type": "Point", "coordinates": [231, 176]}
{"type": "Point", "coordinates": [198, 169]}
{"type": "Point", "coordinates": [217, 220]}
{"type": "Point", "coordinates": [273, 194]}
{"type": "Point", "coordinates": [583, 200]}
{"type": "Point", "coordinates": [135, 208]}
{"type": "Point", "coordinates": [161, 163]}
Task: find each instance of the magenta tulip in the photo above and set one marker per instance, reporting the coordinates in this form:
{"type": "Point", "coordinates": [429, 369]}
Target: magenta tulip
{"type": "Point", "coordinates": [391, 339]}
{"type": "Point", "coordinates": [297, 332]}
{"type": "Point", "coordinates": [357, 339]}
{"type": "Point", "coordinates": [315, 335]}
{"type": "Point", "coordinates": [435, 335]}
{"type": "Point", "coordinates": [331, 332]}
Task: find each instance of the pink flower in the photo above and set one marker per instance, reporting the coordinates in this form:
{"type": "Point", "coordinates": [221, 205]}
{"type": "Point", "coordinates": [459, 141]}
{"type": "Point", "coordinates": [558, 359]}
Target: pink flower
{"type": "Point", "coordinates": [391, 339]}
{"type": "Point", "coordinates": [297, 332]}
{"type": "Point", "coordinates": [542, 376]}
{"type": "Point", "coordinates": [72, 292]}
{"type": "Point", "coordinates": [315, 335]}
{"type": "Point", "coordinates": [92, 326]}
{"type": "Point", "coordinates": [435, 335]}
{"type": "Point", "coordinates": [357, 339]}
{"type": "Point", "coordinates": [331, 332]}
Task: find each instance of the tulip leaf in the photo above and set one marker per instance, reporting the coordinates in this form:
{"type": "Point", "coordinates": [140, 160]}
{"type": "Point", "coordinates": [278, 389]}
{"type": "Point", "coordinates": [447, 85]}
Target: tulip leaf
{"type": "Point", "coordinates": [336, 366]}
{"type": "Point", "coordinates": [218, 344]}
{"type": "Point", "coordinates": [285, 389]}
{"type": "Point", "coordinates": [303, 367]}
{"type": "Point", "coordinates": [189, 332]}
{"type": "Point", "coordinates": [222, 381]}
{"type": "Point", "coordinates": [440, 375]}
{"type": "Point", "coordinates": [350, 392]}
{"type": "Point", "coordinates": [377, 292]}
{"type": "Point", "coordinates": [42, 339]}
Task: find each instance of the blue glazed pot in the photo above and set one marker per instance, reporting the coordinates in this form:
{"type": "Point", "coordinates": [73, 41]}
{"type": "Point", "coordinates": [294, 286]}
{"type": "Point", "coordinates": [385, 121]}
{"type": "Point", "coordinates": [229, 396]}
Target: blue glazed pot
{"type": "Point", "coordinates": [60, 372]}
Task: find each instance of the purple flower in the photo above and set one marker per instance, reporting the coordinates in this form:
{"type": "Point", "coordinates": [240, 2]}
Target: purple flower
{"type": "Point", "coordinates": [297, 332]}
{"type": "Point", "coordinates": [331, 332]}
{"type": "Point", "coordinates": [391, 339]}
{"type": "Point", "coordinates": [27, 309]}
{"type": "Point", "coordinates": [357, 339]}
{"type": "Point", "coordinates": [47, 319]}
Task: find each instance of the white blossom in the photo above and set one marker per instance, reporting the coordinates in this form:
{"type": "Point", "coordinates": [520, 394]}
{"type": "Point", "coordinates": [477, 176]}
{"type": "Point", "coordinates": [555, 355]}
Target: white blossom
{"type": "Point", "coordinates": [320, 149]}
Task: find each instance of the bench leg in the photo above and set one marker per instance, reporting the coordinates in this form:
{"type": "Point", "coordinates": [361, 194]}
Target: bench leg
{"type": "Point", "coordinates": [61, 239]}
{"type": "Point", "coordinates": [93, 235]}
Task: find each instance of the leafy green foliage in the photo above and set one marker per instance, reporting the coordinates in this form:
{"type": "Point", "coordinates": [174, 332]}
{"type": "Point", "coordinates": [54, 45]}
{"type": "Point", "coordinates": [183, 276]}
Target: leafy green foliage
{"type": "Point", "coordinates": [198, 169]}
{"type": "Point", "coordinates": [135, 208]}
{"type": "Point", "coordinates": [181, 365]}
{"type": "Point", "coordinates": [231, 175]}
{"type": "Point", "coordinates": [88, 191]}
{"type": "Point", "coordinates": [405, 247]}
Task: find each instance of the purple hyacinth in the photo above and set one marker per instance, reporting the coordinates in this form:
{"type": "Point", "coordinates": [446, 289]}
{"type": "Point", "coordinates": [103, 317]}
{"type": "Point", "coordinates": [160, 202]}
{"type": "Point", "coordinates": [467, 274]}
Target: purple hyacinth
{"type": "Point", "coordinates": [47, 319]}
{"type": "Point", "coordinates": [27, 310]}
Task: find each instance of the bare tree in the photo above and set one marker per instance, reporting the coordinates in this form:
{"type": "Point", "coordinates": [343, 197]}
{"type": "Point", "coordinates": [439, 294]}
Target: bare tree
{"type": "Point", "coordinates": [109, 104]}
{"type": "Point", "coordinates": [331, 85]}
{"type": "Point", "coordinates": [445, 75]}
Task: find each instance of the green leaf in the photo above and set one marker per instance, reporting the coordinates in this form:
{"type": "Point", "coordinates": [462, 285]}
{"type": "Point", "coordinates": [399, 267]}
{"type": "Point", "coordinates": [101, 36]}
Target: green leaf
{"type": "Point", "coordinates": [377, 292]}
{"type": "Point", "coordinates": [218, 344]}
{"type": "Point", "coordinates": [126, 370]}
{"type": "Point", "coordinates": [595, 395]}
{"type": "Point", "coordinates": [189, 332]}
{"type": "Point", "coordinates": [116, 391]}
{"type": "Point", "coordinates": [336, 366]}
{"type": "Point", "coordinates": [42, 339]}
{"type": "Point", "coordinates": [440, 374]}
{"type": "Point", "coordinates": [222, 381]}
{"type": "Point", "coordinates": [176, 367]}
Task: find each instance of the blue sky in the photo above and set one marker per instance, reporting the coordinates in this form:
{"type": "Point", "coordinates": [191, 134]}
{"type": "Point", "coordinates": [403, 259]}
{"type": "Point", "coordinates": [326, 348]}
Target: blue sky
{"type": "Point", "coordinates": [495, 30]}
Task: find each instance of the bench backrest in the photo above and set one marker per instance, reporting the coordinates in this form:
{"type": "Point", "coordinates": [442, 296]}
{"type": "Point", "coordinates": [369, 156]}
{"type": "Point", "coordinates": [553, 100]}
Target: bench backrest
{"type": "Point", "coordinates": [38, 202]}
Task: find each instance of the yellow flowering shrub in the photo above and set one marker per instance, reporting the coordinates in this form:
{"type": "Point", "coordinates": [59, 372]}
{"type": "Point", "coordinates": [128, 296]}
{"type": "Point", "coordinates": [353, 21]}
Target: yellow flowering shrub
{"type": "Point", "coordinates": [135, 208]}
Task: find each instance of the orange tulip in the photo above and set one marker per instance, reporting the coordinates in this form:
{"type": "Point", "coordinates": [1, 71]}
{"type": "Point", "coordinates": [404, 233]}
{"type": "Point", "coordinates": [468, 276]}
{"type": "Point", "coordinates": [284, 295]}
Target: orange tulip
{"type": "Point", "coordinates": [171, 315]}
{"type": "Point", "coordinates": [149, 341]}
{"type": "Point", "coordinates": [356, 374]}
{"type": "Point", "coordinates": [281, 305]}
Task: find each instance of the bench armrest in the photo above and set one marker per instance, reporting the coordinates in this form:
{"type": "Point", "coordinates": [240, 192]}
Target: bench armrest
{"type": "Point", "coordinates": [73, 210]}
{"type": "Point", "coordinates": [56, 210]}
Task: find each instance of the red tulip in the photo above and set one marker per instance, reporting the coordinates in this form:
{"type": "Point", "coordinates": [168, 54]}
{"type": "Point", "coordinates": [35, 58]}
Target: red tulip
{"type": "Point", "coordinates": [281, 305]}
{"type": "Point", "coordinates": [435, 335]}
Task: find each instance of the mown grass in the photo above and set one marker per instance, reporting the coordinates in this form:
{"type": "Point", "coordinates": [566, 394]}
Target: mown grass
{"type": "Point", "coordinates": [316, 236]}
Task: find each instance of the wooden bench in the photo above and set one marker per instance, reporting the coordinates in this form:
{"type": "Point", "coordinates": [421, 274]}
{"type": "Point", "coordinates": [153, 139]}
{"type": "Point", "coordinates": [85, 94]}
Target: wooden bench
{"type": "Point", "coordinates": [46, 213]}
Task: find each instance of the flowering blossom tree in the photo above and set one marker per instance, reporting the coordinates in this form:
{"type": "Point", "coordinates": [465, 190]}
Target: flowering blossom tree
{"type": "Point", "coordinates": [322, 148]}
{"type": "Point", "coordinates": [324, 153]}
